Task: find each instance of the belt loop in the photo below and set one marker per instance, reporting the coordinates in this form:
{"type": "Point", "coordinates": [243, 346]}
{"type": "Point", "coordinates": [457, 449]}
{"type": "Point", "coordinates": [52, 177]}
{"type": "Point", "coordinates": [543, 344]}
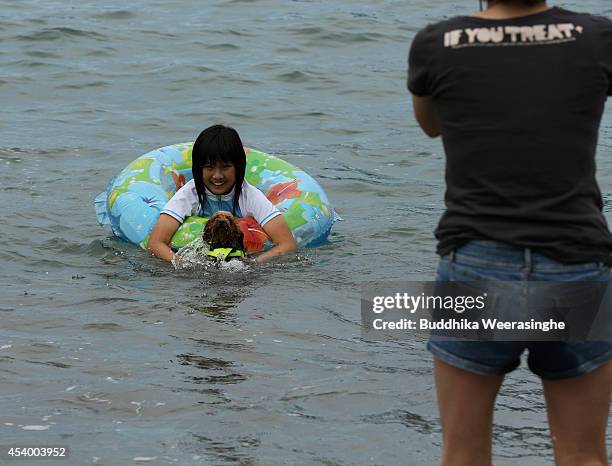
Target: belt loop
{"type": "Point", "coordinates": [452, 256]}
{"type": "Point", "coordinates": [528, 260]}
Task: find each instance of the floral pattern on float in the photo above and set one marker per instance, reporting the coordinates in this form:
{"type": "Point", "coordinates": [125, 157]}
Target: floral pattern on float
{"type": "Point", "coordinates": [134, 198]}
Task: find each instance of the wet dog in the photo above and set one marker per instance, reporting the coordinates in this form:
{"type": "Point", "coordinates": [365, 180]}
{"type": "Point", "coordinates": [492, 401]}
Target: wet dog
{"type": "Point", "coordinates": [223, 235]}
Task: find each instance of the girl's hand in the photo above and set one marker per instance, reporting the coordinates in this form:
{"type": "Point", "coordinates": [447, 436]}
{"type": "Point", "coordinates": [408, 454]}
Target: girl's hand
{"type": "Point", "coordinates": [176, 261]}
{"type": "Point", "coordinates": [248, 259]}
{"type": "Point", "coordinates": [280, 234]}
{"type": "Point", "coordinates": [159, 241]}
{"type": "Point", "coordinates": [179, 180]}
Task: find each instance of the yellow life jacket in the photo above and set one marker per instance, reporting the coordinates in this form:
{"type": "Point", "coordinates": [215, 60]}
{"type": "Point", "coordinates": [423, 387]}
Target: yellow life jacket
{"type": "Point", "coordinates": [224, 254]}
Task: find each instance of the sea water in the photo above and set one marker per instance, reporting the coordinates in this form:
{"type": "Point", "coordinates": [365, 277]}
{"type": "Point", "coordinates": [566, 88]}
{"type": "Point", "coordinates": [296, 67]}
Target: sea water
{"type": "Point", "coordinates": [113, 353]}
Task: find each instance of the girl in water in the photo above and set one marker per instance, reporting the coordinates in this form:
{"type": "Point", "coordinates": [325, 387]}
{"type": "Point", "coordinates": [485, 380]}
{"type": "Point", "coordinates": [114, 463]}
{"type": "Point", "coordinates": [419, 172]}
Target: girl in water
{"type": "Point", "coordinates": [218, 184]}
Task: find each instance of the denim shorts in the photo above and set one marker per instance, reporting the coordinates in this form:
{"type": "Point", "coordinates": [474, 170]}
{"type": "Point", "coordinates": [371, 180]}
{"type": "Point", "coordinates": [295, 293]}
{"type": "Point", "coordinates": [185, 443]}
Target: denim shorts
{"type": "Point", "coordinates": [490, 260]}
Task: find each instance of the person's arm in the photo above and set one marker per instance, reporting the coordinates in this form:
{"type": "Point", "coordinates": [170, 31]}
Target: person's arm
{"type": "Point", "coordinates": [280, 234]}
{"type": "Point", "coordinates": [159, 241]}
{"type": "Point", "coordinates": [420, 80]}
{"type": "Point", "coordinates": [425, 115]}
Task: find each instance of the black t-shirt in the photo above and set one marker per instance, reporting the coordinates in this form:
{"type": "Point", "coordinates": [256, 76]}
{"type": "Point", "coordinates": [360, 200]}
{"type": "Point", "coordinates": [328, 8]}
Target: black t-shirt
{"type": "Point", "coordinates": [519, 103]}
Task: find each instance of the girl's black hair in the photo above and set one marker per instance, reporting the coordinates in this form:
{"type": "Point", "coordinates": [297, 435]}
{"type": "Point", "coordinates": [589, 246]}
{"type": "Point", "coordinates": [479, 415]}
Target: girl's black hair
{"type": "Point", "coordinates": [218, 143]}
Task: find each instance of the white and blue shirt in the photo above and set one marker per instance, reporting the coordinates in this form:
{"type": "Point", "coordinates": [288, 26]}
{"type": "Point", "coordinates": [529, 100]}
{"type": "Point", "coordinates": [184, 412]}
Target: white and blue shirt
{"type": "Point", "coordinates": [252, 203]}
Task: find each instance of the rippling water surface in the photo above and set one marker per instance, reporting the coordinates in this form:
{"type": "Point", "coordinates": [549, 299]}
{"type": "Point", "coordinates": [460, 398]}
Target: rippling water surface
{"type": "Point", "coordinates": [113, 354]}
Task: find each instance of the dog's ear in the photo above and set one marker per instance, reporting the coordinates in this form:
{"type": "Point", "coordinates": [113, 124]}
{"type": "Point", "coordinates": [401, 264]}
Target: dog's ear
{"type": "Point", "coordinates": [208, 233]}
{"type": "Point", "coordinates": [239, 234]}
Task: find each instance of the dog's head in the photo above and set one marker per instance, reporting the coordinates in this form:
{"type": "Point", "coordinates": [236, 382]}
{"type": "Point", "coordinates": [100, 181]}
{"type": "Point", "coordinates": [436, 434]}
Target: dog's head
{"type": "Point", "coordinates": [222, 231]}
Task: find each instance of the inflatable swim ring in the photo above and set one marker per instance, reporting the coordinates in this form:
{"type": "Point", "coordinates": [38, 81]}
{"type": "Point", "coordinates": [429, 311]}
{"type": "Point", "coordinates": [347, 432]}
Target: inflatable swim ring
{"type": "Point", "coordinates": [134, 198]}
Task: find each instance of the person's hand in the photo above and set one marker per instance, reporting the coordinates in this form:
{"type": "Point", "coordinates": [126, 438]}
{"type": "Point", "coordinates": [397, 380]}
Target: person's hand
{"type": "Point", "coordinates": [248, 260]}
{"type": "Point", "coordinates": [161, 236]}
{"type": "Point", "coordinates": [176, 261]}
{"type": "Point", "coordinates": [282, 237]}
{"type": "Point", "coordinates": [179, 180]}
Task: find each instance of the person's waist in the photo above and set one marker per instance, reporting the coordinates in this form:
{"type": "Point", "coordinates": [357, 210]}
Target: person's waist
{"type": "Point", "coordinates": [488, 253]}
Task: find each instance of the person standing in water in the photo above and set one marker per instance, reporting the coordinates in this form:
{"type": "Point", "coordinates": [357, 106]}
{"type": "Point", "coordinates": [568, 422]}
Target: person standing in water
{"type": "Point", "coordinates": [517, 93]}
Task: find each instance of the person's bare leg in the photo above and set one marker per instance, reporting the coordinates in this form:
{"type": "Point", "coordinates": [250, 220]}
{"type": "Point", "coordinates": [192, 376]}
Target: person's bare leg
{"type": "Point", "coordinates": [578, 416]}
{"type": "Point", "coordinates": [466, 401]}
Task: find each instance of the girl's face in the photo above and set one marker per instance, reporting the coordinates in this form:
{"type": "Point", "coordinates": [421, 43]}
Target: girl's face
{"type": "Point", "coordinates": [220, 177]}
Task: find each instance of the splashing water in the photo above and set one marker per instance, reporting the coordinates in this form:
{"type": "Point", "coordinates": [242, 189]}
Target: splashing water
{"type": "Point", "coordinates": [195, 256]}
